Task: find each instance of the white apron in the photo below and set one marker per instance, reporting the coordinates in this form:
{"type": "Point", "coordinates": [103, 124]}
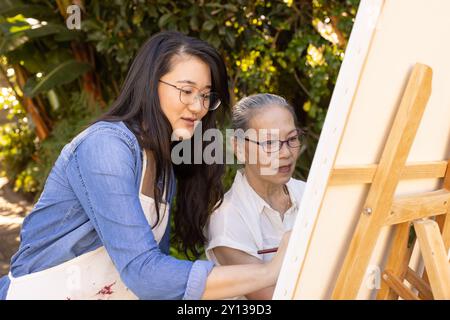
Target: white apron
{"type": "Point", "coordinates": [89, 276]}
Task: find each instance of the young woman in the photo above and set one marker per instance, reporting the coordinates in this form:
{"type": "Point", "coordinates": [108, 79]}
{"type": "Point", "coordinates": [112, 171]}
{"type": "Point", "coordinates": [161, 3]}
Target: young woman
{"type": "Point", "coordinates": [263, 201]}
{"type": "Point", "coordinates": [100, 229]}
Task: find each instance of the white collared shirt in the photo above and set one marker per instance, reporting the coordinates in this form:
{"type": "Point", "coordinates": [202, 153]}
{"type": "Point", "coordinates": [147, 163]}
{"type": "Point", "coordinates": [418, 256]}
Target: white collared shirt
{"type": "Point", "coordinates": [246, 222]}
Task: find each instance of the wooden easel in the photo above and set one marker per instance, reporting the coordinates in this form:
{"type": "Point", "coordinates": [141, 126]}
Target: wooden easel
{"type": "Point", "coordinates": [383, 209]}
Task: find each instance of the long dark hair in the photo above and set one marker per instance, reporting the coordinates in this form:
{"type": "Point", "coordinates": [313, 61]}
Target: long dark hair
{"type": "Point", "coordinates": [199, 189]}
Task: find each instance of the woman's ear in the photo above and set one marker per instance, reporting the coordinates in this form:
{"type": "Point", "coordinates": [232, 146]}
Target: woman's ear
{"type": "Point", "coordinates": [238, 147]}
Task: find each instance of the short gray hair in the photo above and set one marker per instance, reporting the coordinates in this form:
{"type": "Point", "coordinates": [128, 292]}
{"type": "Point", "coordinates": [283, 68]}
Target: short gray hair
{"type": "Point", "coordinates": [246, 108]}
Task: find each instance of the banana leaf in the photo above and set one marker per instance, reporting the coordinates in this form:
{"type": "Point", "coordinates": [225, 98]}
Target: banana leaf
{"type": "Point", "coordinates": [62, 74]}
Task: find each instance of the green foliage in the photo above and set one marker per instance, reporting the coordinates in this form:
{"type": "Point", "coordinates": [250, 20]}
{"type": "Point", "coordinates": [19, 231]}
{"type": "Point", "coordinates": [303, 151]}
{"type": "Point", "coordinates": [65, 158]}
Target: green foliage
{"type": "Point", "coordinates": [33, 36]}
{"type": "Point", "coordinates": [25, 161]}
{"type": "Point", "coordinates": [17, 145]}
{"type": "Point", "coordinates": [293, 48]}
{"type": "Point", "coordinates": [73, 119]}
{"type": "Point", "coordinates": [284, 47]}
{"type": "Point", "coordinates": [64, 73]}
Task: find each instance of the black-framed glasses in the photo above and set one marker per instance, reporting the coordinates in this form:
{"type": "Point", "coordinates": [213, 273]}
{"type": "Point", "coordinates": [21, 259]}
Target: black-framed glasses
{"type": "Point", "coordinates": [269, 146]}
{"type": "Point", "coordinates": [209, 100]}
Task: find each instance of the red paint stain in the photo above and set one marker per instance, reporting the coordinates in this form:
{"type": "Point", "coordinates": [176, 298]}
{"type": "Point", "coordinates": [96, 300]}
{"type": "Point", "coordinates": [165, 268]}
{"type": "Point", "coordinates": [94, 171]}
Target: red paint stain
{"type": "Point", "coordinates": [107, 289]}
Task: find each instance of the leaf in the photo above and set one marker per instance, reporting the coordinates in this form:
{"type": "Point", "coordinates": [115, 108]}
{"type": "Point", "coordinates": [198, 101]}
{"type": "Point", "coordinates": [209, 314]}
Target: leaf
{"type": "Point", "coordinates": [214, 40]}
{"type": "Point", "coordinates": [29, 85]}
{"type": "Point", "coordinates": [91, 25]}
{"type": "Point", "coordinates": [31, 59]}
{"type": "Point", "coordinates": [12, 42]}
{"type": "Point", "coordinates": [183, 27]}
{"type": "Point", "coordinates": [208, 25]}
{"type": "Point", "coordinates": [9, 28]}
{"type": "Point", "coordinates": [229, 38]}
{"type": "Point", "coordinates": [19, 29]}
{"type": "Point", "coordinates": [164, 19]}
{"type": "Point", "coordinates": [53, 99]}
{"type": "Point", "coordinates": [138, 16]}
{"type": "Point", "coordinates": [44, 31]}
{"type": "Point", "coordinates": [11, 8]}
{"type": "Point", "coordinates": [68, 35]}
{"type": "Point", "coordinates": [152, 12]}
{"type": "Point", "coordinates": [231, 7]}
{"type": "Point", "coordinates": [193, 23]}
{"type": "Point", "coordinates": [64, 73]}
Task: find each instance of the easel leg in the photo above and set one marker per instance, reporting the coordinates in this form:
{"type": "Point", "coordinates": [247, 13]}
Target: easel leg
{"type": "Point", "coordinates": [417, 282]}
{"type": "Point", "coordinates": [387, 176]}
{"type": "Point", "coordinates": [443, 221]}
{"type": "Point", "coordinates": [398, 287]}
{"type": "Point", "coordinates": [398, 260]}
{"type": "Point", "coordinates": [435, 257]}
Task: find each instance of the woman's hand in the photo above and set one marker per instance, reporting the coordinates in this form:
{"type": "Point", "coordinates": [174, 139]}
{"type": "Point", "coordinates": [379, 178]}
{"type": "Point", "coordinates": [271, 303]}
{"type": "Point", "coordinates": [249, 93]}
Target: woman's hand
{"type": "Point", "coordinates": [242, 279]}
{"type": "Point", "coordinates": [274, 265]}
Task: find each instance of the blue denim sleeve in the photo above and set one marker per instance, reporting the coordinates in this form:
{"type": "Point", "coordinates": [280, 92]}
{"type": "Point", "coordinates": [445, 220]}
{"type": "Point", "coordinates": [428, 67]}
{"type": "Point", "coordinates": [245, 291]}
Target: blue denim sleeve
{"type": "Point", "coordinates": [164, 244]}
{"type": "Point", "coordinates": [102, 175]}
{"type": "Point", "coordinates": [197, 279]}
{"type": "Point", "coordinates": [4, 285]}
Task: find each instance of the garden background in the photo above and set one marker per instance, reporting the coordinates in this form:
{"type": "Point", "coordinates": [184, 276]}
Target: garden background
{"type": "Point", "coordinates": [54, 81]}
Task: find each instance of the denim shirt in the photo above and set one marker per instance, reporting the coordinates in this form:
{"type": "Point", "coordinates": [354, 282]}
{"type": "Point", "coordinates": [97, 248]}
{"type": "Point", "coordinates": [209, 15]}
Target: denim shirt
{"type": "Point", "coordinates": [90, 199]}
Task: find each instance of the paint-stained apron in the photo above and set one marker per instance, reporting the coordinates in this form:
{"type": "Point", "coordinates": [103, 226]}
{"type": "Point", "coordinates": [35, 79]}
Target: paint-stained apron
{"type": "Point", "coordinates": [89, 276]}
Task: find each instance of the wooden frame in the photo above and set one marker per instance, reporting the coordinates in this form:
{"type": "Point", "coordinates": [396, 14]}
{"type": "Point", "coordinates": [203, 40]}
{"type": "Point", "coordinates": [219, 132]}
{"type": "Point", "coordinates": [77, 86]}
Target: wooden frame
{"type": "Point", "coordinates": [395, 180]}
{"type": "Point", "coordinates": [381, 194]}
{"type": "Point", "coordinates": [335, 122]}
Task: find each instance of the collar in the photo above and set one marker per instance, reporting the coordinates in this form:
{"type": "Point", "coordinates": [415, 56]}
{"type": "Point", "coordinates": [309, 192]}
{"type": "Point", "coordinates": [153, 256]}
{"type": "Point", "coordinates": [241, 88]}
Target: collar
{"type": "Point", "coordinates": [259, 202]}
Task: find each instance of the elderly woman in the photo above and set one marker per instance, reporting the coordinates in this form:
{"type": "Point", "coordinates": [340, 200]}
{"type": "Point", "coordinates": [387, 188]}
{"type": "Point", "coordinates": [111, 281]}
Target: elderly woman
{"type": "Point", "coordinates": [263, 201]}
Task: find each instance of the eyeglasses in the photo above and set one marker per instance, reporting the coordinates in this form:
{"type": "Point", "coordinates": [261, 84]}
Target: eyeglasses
{"type": "Point", "coordinates": [209, 100]}
{"type": "Point", "coordinates": [269, 146]}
